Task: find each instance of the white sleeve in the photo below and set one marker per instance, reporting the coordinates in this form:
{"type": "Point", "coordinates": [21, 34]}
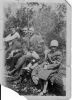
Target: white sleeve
{"type": "Point", "coordinates": [9, 38]}
{"type": "Point", "coordinates": [17, 35]}
{"type": "Point", "coordinates": [6, 39]}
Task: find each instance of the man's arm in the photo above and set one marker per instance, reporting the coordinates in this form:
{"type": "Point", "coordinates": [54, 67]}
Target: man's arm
{"type": "Point", "coordinates": [52, 66]}
{"type": "Point", "coordinates": [6, 39]}
{"type": "Point", "coordinates": [10, 38]}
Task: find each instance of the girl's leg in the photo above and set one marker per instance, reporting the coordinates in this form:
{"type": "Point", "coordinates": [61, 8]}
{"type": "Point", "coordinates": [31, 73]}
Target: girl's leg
{"type": "Point", "coordinates": [45, 88]}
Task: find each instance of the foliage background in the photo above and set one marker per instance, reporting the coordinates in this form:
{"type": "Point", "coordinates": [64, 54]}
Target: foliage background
{"type": "Point", "coordinates": [48, 19]}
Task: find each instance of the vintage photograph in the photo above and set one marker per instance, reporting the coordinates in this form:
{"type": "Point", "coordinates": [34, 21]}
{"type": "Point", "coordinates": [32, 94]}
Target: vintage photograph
{"type": "Point", "coordinates": [35, 48]}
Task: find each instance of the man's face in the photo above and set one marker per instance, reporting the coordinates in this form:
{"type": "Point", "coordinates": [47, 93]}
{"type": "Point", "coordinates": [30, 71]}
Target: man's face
{"type": "Point", "coordinates": [25, 30]}
{"type": "Point", "coordinates": [31, 50]}
{"type": "Point", "coordinates": [31, 32]}
{"type": "Point", "coordinates": [25, 51]}
{"type": "Point", "coordinates": [13, 30]}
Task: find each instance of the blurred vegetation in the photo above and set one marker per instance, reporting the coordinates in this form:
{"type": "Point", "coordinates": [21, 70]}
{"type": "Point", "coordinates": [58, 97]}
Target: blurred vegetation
{"type": "Point", "coordinates": [49, 20]}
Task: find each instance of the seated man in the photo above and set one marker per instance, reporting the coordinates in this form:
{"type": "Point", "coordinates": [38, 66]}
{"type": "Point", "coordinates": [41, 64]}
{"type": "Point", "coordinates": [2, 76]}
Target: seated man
{"type": "Point", "coordinates": [21, 60]}
{"type": "Point", "coordinates": [13, 40]}
{"type": "Point", "coordinates": [12, 36]}
{"type": "Point", "coordinates": [34, 61]}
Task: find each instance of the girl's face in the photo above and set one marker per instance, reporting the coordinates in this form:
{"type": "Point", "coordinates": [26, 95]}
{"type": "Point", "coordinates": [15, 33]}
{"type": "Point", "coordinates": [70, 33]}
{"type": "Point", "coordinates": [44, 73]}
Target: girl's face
{"type": "Point", "coordinates": [53, 48]}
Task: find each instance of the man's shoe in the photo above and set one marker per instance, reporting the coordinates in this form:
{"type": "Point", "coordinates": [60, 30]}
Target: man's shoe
{"type": "Point", "coordinates": [42, 93]}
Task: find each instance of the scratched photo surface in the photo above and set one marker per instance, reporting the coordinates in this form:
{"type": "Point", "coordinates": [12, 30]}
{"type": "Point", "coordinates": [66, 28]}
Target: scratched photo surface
{"type": "Point", "coordinates": [35, 48]}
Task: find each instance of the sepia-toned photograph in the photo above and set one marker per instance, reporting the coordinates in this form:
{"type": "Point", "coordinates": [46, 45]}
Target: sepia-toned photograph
{"type": "Point", "coordinates": [35, 48]}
